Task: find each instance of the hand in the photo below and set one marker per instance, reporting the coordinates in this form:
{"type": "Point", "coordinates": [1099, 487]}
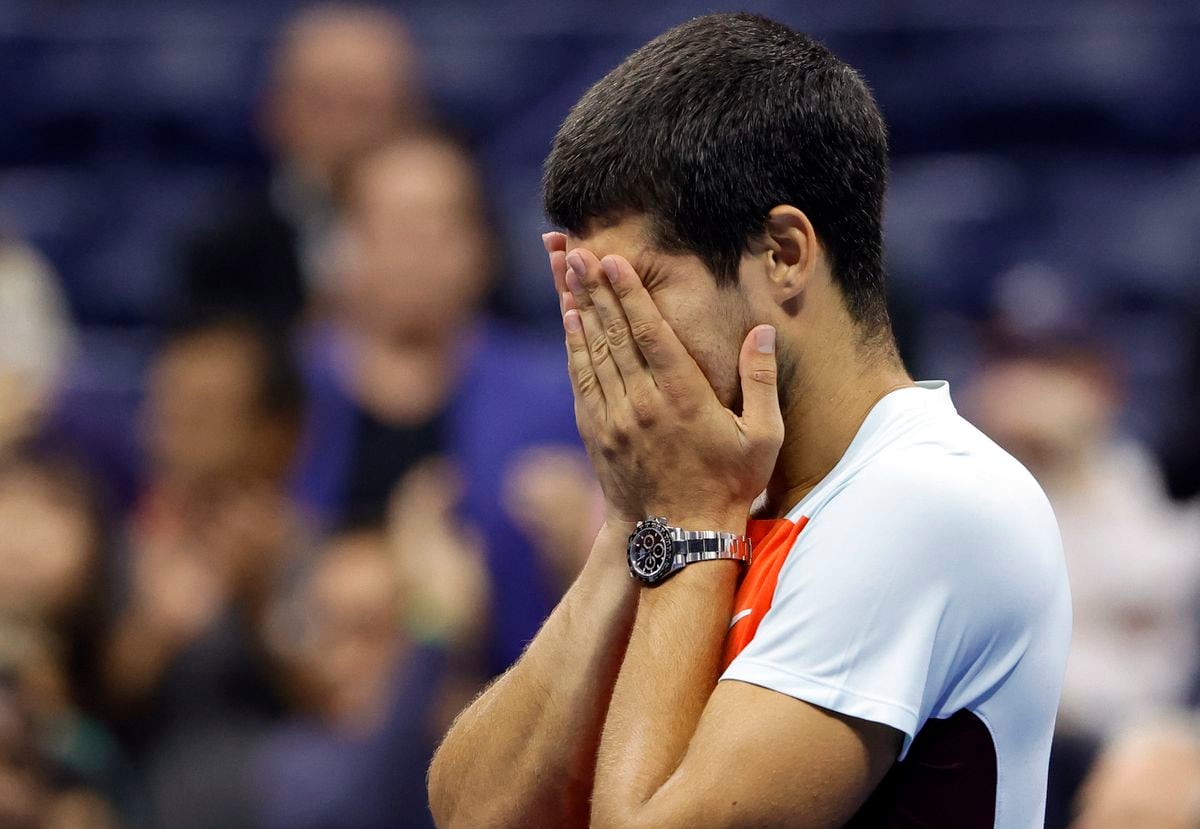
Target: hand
{"type": "Point", "coordinates": [440, 564]}
{"type": "Point", "coordinates": [247, 530]}
{"type": "Point", "coordinates": [177, 593]}
{"type": "Point", "coordinates": [658, 437]}
{"type": "Point", "coordinates": [551, 494]}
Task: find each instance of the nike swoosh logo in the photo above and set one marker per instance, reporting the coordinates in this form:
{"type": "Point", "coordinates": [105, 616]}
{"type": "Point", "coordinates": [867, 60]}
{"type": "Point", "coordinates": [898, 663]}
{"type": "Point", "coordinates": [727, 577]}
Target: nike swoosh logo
{"type": "Point", "coordinates": [741, 614]}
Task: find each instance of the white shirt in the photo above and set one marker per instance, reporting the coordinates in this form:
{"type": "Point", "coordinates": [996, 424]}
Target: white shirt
{"type": "Point", "coordinates": [929, 580]}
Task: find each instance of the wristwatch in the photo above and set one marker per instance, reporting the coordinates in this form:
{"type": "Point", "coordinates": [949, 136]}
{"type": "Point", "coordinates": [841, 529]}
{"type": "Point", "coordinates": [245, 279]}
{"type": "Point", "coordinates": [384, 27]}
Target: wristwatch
{"type": "Point", "coordinates": [658, 550]}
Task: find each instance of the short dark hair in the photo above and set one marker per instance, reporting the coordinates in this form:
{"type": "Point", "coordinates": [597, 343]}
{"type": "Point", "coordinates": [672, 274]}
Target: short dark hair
{"type": "Point", "coordinates": [281, 390]}
{"type": "Point", "coordinates": [709, 126]}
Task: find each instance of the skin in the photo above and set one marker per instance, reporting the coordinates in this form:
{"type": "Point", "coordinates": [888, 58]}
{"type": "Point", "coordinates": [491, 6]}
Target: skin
{"type": "Point", "coordinates": [1150, 780]}
{"type": "Point", "coordinates": [413, 269]}
{"type": "Point", "coordinates": [342, 82]}
{"type": "Point", "coordinates": [46, 548]}
{"type": "Point", "coordinates": [613, 717]}
{"type": "Point", "coordinates": [217, 458]}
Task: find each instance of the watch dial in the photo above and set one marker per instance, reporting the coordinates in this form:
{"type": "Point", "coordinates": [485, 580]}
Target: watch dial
{"type": "Point", "coordinates": [650, 551]}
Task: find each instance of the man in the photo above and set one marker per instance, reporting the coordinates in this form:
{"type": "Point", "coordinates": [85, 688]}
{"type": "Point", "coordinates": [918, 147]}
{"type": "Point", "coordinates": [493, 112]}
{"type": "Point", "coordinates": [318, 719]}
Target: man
{"type": "Point", "coordinates": [893, 654]}
{"type": "Point", "coordinates": [1130, 550]}
{"type": "Point", "coordinates": [408, 366]}
{"type": "Point", "coordinates": [342, 81]}
{"type": "Point", "coordinates": [188, 669]}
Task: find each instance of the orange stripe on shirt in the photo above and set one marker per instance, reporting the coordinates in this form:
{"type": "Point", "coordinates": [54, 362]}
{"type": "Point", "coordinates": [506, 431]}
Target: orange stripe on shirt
{"type": "Point", "coordinates": [773, 540]}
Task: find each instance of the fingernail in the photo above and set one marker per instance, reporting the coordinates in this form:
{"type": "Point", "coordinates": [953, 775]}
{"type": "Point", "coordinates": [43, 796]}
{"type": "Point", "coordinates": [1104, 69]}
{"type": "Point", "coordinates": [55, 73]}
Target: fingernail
{"type": "Point", "coordinates": [611, 269]}
{"type": "Point", "coordinates": [764, 340]}
{"type": "Point", "coordinates": [571, 321]}
{"type": "Point", "coordinates": [573, 281]}
{"type": "Point", "coordinates": [568, 301]}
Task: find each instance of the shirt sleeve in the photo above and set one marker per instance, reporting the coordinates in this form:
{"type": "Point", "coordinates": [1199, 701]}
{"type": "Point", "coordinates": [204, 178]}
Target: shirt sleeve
{"type": "Point", "coordinates": [889, 597]}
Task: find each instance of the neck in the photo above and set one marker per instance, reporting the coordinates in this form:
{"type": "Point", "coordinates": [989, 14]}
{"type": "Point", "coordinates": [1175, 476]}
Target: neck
{"type": "Point", "coordinates": [404, 380]}
{"type": "Point", "coordinates": [831, 396]}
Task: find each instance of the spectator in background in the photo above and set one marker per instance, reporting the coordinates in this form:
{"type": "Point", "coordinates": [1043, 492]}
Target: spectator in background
{"type": "Point", "coordinates": [34, 793]}
{"type": "Point", "coordinates": [342, 80]}
{"type": "Point", "coordinates": [1147, 777]}
{"type": "Point", "coordinates": [408, 367]}
{"type": "Point", "coordinates": [52, 567]}
{"type": "Point", "coordinates": [36, 340]}
{"type": "Point", "coordinates": [208, 548]}
{"type": "Point", "coordinates": [1133, 556]}
{"type": "Point", "coordinates": [389, 621]}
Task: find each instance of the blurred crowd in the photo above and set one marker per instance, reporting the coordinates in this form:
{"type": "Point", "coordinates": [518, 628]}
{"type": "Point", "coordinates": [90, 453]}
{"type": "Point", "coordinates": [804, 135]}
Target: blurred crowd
{"type": "Point", "coordinates": [352, 489]}
{"type": "Point", "coordinates": [345, 473]}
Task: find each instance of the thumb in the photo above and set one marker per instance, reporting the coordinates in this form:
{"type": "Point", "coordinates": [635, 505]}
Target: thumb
{"type": "Point", "coordinates": [760, 394]}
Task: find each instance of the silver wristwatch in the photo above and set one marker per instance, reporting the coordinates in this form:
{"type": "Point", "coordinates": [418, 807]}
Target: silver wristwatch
{"type": "Point", "coordinates": [658, 550]}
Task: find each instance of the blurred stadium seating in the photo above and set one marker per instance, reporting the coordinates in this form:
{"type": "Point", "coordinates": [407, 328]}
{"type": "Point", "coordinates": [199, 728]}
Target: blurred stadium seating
{"type": "Point", "coordinates": [1060, 135]}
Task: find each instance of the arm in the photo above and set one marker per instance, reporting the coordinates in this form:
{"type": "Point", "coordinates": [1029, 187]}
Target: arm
{"type": "Point", "coordinates": [676, 752]}
{"type": "Point", "coordinates": [175, 598]}
{"type": "Point", "coordinates": [681, 750]}
{"type": "Point", "coordinates": [523, 754]}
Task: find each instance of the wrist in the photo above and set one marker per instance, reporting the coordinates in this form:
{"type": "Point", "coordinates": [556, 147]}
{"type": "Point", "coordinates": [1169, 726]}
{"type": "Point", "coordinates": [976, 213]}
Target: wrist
{"type": "Point", "coordinates": [723, 521]}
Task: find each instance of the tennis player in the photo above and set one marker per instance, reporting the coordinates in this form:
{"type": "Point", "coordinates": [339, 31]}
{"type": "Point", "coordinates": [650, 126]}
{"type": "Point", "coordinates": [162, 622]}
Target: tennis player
{"type": "Point", "coordinates": [821, 598]}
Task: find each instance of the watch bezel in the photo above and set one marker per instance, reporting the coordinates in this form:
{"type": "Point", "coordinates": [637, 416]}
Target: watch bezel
{"type": "Point", "coordinates": [651, 528]}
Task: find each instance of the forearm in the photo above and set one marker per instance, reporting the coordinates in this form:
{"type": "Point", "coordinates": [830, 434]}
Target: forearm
{"type": "Point", "coordinates": [671, 667]}
{"type": "Point", "coordinates": [523, 754]}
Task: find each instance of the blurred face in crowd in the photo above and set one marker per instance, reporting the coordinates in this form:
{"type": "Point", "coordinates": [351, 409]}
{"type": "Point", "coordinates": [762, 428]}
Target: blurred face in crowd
{"type": "Point", "coordinates": [204, 418]}
{"type": "Point", "coordinates": [343, 83]}
{"type": "Point", "coordinates": [415, 258]}
{"type": "Point", "coordinates": [46, 547]}
{"type": "Point", "coordinates": [1151, 781]}
{"type": "Point", "coordinates": [353, 604]}
{"type": "Point", "coordinates": [1048, 413]}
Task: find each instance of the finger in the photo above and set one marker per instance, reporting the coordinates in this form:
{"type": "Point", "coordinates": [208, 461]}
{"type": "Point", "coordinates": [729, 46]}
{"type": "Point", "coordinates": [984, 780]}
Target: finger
{"type": "Point", "coordinates": [761, 414]}
{"type": "Point", "coordinates": [624, 351]}
{"type": "Point", "coordinates": [589, 397]}
{"type": "Point", "coordinates": [556, 249]}
{"type": "Point", "coordinates": [602, 365]}
{"type": "Point", "coordinates": [671, 366]}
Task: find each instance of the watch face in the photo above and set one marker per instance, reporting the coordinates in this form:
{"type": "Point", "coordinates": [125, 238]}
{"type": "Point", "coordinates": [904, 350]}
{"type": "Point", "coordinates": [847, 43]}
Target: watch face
{"type": "Point", "coordinates": [651, 551]}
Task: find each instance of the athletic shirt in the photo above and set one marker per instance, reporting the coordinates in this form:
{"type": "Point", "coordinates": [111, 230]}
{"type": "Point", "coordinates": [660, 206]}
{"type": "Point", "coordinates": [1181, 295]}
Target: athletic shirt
{"type": "Point", "coordinates": [921, 584]}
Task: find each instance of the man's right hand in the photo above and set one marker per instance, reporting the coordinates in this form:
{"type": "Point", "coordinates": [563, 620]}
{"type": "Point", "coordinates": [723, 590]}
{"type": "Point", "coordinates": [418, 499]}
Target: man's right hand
{"type": "Point", "coordinates": [623, 506]}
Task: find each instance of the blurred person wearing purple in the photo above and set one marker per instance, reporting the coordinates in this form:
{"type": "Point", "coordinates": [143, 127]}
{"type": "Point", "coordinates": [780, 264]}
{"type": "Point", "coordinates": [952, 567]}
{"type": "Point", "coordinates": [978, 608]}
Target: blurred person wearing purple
{"type": "Point", "coordinates": [407, 366]}
{"type": "Point", "coordinates": [188, 673]}
{"type": "Point", "coordinates": [341, 81]}
{"type": "Point", "coordinates": [385, 639]}
{"type": "Point", "coordinates": [1133, 555]}
{"type": "Point", "coordinates": [59, 766]}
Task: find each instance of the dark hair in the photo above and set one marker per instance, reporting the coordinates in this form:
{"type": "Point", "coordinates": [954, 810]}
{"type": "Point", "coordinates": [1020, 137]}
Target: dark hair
{"type": "Point", "coordinates": [709, 126]}
{"type": "Point", "coordinates": [281, 391]}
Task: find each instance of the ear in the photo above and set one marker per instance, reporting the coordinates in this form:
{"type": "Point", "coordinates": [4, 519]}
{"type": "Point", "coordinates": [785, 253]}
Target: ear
{"type": "Point", "coordinates": [792, 252]}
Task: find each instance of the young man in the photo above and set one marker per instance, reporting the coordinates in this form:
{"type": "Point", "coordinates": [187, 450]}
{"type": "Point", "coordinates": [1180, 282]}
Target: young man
{"type": "Point", "coordinates": [892, 653]}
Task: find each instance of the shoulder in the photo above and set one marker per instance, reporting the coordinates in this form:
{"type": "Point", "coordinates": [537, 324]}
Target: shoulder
{"type": "Point", "coordinates": [946, 507]}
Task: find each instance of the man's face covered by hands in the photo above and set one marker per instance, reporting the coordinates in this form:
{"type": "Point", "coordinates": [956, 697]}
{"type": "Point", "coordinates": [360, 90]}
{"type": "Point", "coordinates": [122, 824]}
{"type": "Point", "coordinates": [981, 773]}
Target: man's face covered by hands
{"type": "Point", "coordinates": [710, 321]}
{"type": "Point", "coordinates": [656, 374]}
